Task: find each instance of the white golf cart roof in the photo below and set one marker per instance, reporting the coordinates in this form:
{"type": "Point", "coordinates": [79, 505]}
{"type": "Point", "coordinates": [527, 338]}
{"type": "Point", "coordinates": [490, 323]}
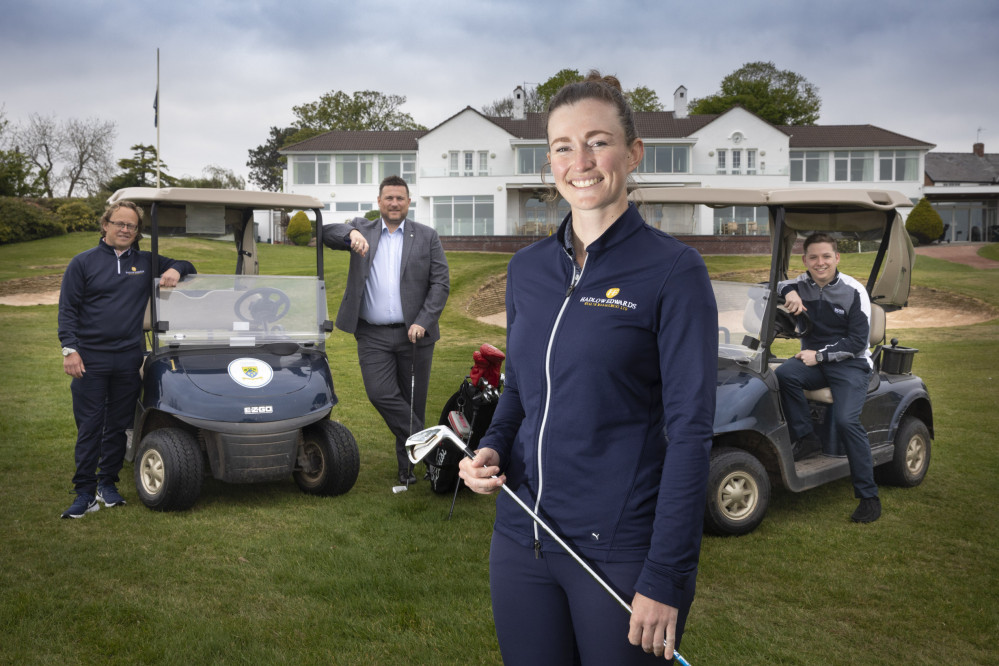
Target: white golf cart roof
{"type": "Point", "coordinates": [795, 212]}
{"type": "Point", "coordinates": [227, 198]}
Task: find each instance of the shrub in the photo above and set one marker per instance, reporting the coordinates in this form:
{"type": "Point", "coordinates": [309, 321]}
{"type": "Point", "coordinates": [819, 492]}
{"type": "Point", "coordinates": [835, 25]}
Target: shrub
{"type": "Point", "coordinates": [300, 229]}
{"type": "Point", "coordinates": [22, 221]}
{"type": "Point", "coordinates": [924, 223]}
{"type": "Point", "coordinates": [78, 216]}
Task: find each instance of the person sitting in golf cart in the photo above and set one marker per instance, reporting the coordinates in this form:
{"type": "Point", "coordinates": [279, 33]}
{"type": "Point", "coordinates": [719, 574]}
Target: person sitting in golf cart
{"type": "Point", "coordinates": [834, 353]}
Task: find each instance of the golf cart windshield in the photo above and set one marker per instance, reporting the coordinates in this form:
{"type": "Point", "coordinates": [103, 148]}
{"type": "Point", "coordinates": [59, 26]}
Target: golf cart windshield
{"type": "Point", "coordinates": [240, 311]}
{"type": "Point", "coordinates": [741, 308]}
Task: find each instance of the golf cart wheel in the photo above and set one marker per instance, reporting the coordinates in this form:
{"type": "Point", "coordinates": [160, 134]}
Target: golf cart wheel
{"type": "Point", "coordinates": [738, 493]}
{"type": "Point", "coordinates": [169, 468]}
{"type": "Point", "coordinates": [911, 460]}
{"type": "Point", "coordinates": [333, 460]}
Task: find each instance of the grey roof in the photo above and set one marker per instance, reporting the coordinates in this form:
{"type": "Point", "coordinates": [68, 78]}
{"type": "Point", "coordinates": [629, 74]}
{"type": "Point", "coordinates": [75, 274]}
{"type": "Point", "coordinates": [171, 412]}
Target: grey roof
{"type": "Point", "coordinates": [649, 124]}
{"type": "Point", "coordinates": [848, 136]}
{"type": "Point", "coordinates": [340, 140]}
{"type": "Point", "coordinates": [962, 168]}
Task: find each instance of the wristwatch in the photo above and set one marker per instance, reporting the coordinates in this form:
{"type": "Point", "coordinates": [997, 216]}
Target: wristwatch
{"type": "Point", "coordinates": [818, 357]}
{"type": "Point", "coordinates": [66, 351]}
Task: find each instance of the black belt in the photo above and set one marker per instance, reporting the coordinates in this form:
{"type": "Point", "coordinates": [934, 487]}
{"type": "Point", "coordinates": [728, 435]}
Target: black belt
{"type": "Point", "coordinates": [393, 325]}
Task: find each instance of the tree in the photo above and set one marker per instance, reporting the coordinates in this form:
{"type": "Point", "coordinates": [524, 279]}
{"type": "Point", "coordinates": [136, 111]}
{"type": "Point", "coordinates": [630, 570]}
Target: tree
{"type": "Point", "coordinates": [536, 99]}
{"type": "Point", "coordinates": [41, 143]}
{"type": "Point", "coordinates": [16, 174]}
{"type": "Point", "coordinates": [335, 110]}
{"type": "Point", "coordinates": [503, 108]}
{"type": "Point", "coordinates": [300, 229]}
{"type": "Point", "coordinates": [365, 110]}
{"type": "Point", "coordinates": [779, 96]}
{"type": "Point", "coordinates": [86, 148]}
{"type": "Point", "coordinates": [643, 99]}
{"type": "Point", "coordinates": [139, 170]}
{"type": "Point", "coordinates": [924, 223]}
{"type": "Point", "coordinates": [215, 177]}
{"type": "Point", "coordinates": [266, 164]}
{"type": "Point", "coordinates": [548, 89]}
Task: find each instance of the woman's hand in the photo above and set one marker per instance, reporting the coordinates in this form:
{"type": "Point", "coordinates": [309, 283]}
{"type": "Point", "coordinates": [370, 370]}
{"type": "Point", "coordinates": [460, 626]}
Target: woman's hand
{"type": "Point", "coordinates": [653, 626]}
{"type": "Point", "coordinates": [478, 473]}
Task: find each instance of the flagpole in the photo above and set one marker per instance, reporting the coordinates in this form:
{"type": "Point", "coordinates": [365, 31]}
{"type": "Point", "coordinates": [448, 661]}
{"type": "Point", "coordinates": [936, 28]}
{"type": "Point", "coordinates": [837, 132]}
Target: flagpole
{"type": "Point", "coordinates": [157, 105]}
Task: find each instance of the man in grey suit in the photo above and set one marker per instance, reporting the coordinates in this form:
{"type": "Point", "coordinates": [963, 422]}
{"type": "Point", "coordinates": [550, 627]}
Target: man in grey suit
{"type": "Point", "coordinates": [397, 286]}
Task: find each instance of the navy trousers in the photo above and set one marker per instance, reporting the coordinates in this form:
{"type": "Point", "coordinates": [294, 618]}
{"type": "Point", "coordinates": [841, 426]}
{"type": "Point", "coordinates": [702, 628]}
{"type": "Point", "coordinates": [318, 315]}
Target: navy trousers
{"type": "Point", "coordinates": [848, 381]}
{"type": "Point", "coordinates": [103, 406]}
{"type": "Point", "coordinates": [391, 365]}
{"type": "Point", "coordinates": [549, 612]}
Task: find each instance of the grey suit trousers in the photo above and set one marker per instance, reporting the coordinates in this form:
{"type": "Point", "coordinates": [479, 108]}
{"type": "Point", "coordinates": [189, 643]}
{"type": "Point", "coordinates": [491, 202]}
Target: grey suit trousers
{"type": "Point", "coordinates": [396, 376]}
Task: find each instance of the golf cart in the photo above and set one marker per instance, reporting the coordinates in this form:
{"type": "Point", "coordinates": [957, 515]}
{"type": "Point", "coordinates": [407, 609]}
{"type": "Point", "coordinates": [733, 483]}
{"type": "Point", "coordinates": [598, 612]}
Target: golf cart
{"type": "Point", "coordinates": [236, 382]}
{"type": "Point", "coordinates": [752, 450]}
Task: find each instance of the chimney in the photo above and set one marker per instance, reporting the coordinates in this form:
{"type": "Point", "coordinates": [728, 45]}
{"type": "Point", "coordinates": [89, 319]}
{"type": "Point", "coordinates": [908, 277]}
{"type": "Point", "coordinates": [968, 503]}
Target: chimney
{"type": "Point", "coordinates": [680, 102]}
{"type": "Point", "coordinates": [978, 149]}
{"type": "Point", "coordinates": [518, 103]}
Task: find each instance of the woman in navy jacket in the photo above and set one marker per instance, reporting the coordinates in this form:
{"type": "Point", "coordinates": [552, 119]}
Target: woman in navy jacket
{"type": "Point", "coordinates": [605, 423]}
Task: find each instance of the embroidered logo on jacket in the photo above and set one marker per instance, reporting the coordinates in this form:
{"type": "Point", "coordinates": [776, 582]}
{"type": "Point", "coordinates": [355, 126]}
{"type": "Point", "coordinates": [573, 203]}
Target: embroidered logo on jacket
{"type": "Point", "coordinates": [609, 301]}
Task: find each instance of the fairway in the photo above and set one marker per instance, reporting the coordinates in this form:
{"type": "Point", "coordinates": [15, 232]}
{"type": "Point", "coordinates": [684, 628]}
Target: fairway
{"type": "Point", "coordinates": [267, 574]}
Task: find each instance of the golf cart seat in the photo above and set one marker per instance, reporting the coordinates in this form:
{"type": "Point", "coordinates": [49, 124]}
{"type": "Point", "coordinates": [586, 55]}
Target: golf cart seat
{"type": "Point", "coordinates": [875, 338]}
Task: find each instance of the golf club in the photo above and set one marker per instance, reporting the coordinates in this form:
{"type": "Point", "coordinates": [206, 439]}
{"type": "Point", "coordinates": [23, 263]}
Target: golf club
{"type": "Point", "coordinates": [412, 395]}
{"type": "Point", "coordinates": [418, 446]}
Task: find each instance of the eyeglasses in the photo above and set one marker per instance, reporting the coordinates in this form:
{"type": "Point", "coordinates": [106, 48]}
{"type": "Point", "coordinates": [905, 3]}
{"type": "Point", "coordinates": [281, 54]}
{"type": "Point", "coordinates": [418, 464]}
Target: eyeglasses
{"type": "Point", "coordinates": [130, 228]}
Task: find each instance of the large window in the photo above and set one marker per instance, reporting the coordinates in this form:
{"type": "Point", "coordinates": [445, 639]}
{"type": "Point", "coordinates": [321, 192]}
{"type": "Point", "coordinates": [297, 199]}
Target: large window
{"type": "Point", "coordinates": [311, 169]}
{"type": "Point", "coordinates": [722, 167]}
{"type": "Point", "coordinates": [354, 169]}
{"type": "Point", "coordinates": [530, 159]}
{"type": "Point", "coordinates": [463, 216]}
{"type": "Point", "coordinates": [402, 165]}
{"type": "Point", "coordinates": [854, 165]}
{"type": "Point", "coordinates": [742, 221]}
{"type": "Point", "coordinates": [811, 166]}
{"type": "Point", "coordinates": [664, 159]}
{"type": "Point", "coordinates": [899, 165]}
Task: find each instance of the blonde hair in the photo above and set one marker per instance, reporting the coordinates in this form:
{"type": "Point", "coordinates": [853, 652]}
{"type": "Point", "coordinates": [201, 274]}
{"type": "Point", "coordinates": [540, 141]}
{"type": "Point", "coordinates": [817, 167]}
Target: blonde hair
{"type": "Point", "coordinates": [110, 210]}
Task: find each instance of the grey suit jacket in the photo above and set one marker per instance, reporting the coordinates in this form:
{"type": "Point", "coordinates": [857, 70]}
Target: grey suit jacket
{"type": "Point", "coordinates": [425, 280]}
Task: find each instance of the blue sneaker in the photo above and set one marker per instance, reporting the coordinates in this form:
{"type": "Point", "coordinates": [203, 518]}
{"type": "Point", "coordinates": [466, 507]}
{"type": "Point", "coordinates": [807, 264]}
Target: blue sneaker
{"type": "Point", "coordinates": [84, 504]}
{"type": "Point", "coordinates": [109, 495]}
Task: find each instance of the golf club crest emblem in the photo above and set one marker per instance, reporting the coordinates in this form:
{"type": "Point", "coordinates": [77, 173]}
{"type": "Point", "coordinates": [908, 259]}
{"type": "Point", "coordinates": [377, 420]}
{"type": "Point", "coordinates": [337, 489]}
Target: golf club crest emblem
{"type": "Point", "coordinates": [251, 372]}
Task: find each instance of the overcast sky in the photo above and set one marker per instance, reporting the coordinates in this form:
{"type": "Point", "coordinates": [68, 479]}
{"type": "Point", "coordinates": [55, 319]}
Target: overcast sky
{"type": "Point", "coordinates": [231, 69]}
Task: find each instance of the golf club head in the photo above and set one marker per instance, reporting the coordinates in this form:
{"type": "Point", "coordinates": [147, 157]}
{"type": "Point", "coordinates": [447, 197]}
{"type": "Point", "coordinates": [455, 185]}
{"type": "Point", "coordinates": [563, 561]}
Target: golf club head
{"type": "Point", "coordinates": [419, 445]}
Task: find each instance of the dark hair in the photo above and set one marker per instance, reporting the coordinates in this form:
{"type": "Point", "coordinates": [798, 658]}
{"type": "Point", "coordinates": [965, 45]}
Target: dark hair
{"type": "Point", "coordinates": [393, 181]}
{"type": "Point", "coordinates": [110, 210]}
{"type": "Point", "coordinates": [599, 87]}
{"type": "Point", "coordinates": [820, 237]}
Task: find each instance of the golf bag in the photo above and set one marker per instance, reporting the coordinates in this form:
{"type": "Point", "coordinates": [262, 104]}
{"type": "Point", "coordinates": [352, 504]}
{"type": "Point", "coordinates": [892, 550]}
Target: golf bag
{"type": "Point", "coordinates": [468, 412]}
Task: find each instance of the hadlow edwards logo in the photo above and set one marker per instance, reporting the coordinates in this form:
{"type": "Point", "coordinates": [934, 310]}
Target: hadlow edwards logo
{"type": "Point", "coordinates": [610, 300]}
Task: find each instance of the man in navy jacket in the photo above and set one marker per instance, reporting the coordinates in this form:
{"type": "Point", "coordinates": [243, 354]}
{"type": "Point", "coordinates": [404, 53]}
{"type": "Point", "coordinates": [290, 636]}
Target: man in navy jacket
{"type": "Point", "coordinates": [834, 354]}
{"type": "Point", "coordinates": [101, 306]}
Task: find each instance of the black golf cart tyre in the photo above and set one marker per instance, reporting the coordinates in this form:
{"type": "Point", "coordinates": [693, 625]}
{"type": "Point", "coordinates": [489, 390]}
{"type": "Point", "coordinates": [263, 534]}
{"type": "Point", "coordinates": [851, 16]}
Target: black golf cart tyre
{"type": "Point", "coordinates": [332, 448]}
{"type": "Point", "coordinates": [738, 493]}
{"type": "Point", "coordinates": [911, 459]}
{"type": "Point", "coordinates": [169, 469]}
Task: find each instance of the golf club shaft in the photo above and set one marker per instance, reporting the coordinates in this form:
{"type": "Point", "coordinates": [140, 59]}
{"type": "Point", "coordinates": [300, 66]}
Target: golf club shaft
{"type": "Point", "coordinates": [579, 560]}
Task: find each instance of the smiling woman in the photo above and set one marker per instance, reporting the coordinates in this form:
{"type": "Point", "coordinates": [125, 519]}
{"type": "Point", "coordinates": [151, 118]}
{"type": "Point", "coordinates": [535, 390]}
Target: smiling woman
{"type": "Point", "coordinates": [636, 355]}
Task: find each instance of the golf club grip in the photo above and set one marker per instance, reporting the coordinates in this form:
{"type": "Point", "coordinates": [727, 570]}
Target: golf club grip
{"type": "Point", "coordinates": [579, 559]}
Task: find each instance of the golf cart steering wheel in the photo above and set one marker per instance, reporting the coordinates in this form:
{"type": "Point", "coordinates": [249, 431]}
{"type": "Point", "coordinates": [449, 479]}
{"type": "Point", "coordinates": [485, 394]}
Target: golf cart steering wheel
{"type": "Point", "coordinates": [271, 306]}
{"type": "Point", "coordinates": [787, 325]}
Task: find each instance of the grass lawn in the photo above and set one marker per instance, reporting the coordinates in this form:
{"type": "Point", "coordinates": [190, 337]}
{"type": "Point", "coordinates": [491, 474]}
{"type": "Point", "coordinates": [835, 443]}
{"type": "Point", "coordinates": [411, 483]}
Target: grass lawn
{"type": "Point", "coordinates": [266, 574]}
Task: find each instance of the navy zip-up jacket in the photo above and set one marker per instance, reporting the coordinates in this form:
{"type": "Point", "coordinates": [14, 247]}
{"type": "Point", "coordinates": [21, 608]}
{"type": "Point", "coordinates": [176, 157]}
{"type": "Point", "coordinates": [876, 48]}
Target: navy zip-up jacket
{"type": "Point", "coordinates": [103, 297]}
{"type": "Point", "coordinates": [840, 314]}
{"type": "Point", "coordinates": [606, 419]}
